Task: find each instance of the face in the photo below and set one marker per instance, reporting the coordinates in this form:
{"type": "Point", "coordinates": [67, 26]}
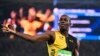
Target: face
{"type": "Point", "coordinates": [48, 11]}
{"type": "Point", "coordinates": [21, 12]}
{"type": "Point", "coordinates": [32, 11]}
{"type": "Point", "coordinates": [64, 23]}
{"type": "Point", "coordinates": [13, 14]}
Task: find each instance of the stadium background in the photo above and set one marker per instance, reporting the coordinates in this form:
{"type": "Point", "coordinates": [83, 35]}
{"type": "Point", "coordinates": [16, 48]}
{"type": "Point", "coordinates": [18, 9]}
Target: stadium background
{"type": "Point", "coordinates": [84, 17]}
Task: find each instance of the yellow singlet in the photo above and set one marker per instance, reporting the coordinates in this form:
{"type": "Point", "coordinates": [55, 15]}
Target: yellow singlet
{"type": "Point", "coordinates": [59, 43]}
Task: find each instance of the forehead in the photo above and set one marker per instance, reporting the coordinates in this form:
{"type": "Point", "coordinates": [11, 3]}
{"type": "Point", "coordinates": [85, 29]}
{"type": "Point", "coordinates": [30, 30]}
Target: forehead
{"type": "Point", "coordinates": [65, 18]}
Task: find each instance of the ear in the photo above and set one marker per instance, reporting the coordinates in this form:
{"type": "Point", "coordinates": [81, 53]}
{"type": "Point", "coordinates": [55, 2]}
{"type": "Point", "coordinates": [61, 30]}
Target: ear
{"type": "Point", "coordinates": [71, 24]}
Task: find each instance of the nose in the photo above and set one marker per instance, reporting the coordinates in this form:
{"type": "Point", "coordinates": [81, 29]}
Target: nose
{"type": "Point", "coordinates": [62, 22]}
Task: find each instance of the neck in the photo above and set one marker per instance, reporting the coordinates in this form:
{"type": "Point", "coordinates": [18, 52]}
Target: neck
{"type": "Point", "coordinates": [64, 33]}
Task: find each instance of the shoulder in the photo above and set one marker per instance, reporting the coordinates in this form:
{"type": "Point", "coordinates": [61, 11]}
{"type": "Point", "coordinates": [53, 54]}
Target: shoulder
{"type": "Point", "coordinates": [50, 32]}
{"type": "Point", "coordinates": [72, 37]}
{"type": "Point", "coordinates": [51, 36]}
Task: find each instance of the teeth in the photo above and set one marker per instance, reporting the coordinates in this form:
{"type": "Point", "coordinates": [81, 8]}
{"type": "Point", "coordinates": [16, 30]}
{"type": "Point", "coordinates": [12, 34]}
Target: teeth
{"type": "Point", "coordinates": [62, 25]}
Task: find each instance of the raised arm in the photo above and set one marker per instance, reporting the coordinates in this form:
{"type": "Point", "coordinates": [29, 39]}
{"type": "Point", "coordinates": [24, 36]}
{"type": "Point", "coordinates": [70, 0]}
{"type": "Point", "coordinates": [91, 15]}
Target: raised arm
{"type": "Point", "coordinates": [37, 38]}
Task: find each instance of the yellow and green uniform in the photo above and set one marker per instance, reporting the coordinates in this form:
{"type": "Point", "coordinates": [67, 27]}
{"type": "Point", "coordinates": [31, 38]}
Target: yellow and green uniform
{"type": "Point", "coordinates": [59, 44]}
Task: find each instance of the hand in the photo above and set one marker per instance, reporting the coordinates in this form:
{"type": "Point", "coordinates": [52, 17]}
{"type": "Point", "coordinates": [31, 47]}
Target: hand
{"type": "Point", "coordinates": [6, 28]}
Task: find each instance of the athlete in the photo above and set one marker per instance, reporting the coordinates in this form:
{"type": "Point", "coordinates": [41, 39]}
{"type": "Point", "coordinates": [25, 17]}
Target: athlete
{"type": "Point", "coordinates": [59, 43]}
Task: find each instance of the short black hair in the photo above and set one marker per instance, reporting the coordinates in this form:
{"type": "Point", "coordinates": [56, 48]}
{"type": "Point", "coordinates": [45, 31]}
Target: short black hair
{"type": "Point", "coordinates": [65, 16]}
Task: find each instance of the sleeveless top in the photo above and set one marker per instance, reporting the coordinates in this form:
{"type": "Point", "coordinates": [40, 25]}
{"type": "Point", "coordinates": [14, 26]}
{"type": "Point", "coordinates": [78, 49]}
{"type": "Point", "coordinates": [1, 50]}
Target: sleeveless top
{"type": "Point", "coordinates": [59, 44]}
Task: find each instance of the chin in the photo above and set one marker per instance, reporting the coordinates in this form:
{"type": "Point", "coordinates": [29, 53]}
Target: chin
{"type": "Point", "coordinates": [62, 29]}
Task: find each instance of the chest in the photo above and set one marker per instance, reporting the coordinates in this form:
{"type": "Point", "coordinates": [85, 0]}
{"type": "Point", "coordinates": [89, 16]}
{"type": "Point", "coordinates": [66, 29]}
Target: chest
{"type": "Point", "coordinates": [60, 41]}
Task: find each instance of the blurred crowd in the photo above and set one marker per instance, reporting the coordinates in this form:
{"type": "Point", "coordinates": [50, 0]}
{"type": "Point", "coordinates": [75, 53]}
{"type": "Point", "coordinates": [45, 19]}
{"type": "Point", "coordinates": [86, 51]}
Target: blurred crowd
{"type": "Point", "coordinates": [33, 22]}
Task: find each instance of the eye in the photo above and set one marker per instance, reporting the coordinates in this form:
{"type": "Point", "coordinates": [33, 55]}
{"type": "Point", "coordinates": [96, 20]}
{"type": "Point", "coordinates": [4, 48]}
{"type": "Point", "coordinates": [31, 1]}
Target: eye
{"type": "Point", "coordinates": [65, 20]}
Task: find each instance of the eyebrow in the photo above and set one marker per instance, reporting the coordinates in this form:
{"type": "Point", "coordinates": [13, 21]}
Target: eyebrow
{"type": "Point", "coordinates": [63, 19]}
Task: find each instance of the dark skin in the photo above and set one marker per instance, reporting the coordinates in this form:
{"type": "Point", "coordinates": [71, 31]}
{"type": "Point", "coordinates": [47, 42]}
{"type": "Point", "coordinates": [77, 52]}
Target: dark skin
{"type": "Point", "coordinates": [64, 24]}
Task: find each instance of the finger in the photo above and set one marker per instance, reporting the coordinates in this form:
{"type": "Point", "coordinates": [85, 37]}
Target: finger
{"type": "Point", "coordinates": [4, 30]}
{"type": "Point", "coordinates": [7, 28]}
{"type": "Point", "coordinates": [4, 26]}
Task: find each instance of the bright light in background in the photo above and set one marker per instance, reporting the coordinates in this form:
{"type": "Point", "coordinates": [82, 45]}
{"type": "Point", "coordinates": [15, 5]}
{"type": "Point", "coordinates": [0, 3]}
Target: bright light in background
{"type": "Point", "coordinates": [81, 29]}
{"type": "Point", "coordinates": [80, 17]}
{"type": "Point", "coordinates": [73, 16]}
{"type": "Point", "coordinates": [80, 21]}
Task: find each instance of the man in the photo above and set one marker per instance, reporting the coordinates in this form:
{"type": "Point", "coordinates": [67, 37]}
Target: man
{"type": "Point", "coordinates": [30, 24]}
{"type": "Point", "coordinates": [59, 43]}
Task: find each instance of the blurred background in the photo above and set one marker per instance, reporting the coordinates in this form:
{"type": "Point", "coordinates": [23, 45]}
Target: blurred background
{"type": "Point", "coordinates": [38, 16]}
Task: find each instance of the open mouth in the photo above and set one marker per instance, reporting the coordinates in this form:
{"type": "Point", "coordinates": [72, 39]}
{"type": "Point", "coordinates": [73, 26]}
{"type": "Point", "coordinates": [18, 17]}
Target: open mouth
{"type": "Point", "coordinates": [62, 25]}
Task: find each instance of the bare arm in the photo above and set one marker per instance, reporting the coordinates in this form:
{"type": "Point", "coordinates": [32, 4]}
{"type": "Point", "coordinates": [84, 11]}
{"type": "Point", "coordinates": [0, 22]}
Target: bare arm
{"type": "Point", "coordinates": [77, 48]}
{"type": "Point", "coordinates": [37, 38]}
